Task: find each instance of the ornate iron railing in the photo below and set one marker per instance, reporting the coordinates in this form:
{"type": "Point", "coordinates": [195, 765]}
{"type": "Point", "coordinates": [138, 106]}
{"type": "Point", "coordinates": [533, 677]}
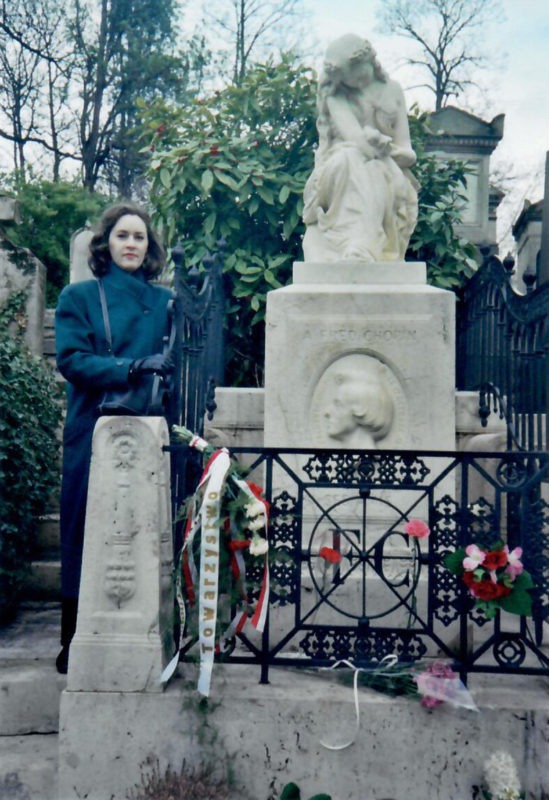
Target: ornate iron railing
{"type": "Point", "coordinates": [199, 343]}
{"type": "Point", "coordinates": [199, 357]}
{"type": "Point", "coordinates": [502, 351]}
{"type": "Point", "coordinates": [389, 593]}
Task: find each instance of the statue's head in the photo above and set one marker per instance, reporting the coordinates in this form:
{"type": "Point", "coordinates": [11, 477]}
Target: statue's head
{"type": "Point", "coordinates": [350, 52]}
{"type": "Point", "coordinates": [361, 399]}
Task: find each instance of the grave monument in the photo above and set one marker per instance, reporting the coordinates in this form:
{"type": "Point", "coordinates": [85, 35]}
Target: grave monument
{"type": "Point", "coordinates": [360, 354]}
{"type": "Point", "coordinates": [375, 365]}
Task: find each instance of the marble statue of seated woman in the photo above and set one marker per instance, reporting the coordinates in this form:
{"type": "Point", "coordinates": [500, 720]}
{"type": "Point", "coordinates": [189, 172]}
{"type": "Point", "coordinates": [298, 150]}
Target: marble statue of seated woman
{"type": "Point", "coordinates": [360, 202]}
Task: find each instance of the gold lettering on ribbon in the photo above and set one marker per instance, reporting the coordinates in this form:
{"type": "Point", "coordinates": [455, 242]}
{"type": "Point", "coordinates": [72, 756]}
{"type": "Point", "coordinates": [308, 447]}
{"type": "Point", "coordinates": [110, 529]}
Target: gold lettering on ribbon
{"type": "Point", "coordinates": [209, 568]}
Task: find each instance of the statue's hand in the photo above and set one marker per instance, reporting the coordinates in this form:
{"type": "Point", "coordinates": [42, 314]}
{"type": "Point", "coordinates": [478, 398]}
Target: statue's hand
{"type": "Point", "coordinates": [367, 150]}
{"type": "Point", "coordinates": [404, 156]}
{"type": "Point", "coordinates": [376, 144]}
{"type": "Point", "coordinates": [384, 147]}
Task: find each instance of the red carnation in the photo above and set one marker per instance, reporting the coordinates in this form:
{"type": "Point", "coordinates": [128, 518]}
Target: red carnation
{"type": "Point", "coordinates": [329, 554]}
{"type": "Point", "coordinates": [485, 589]}
{"type": "Point", "coordinates": [495, 559]}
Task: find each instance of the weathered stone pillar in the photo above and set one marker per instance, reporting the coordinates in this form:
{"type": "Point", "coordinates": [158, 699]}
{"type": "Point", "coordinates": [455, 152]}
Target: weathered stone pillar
{"type": "Point", "coordinates": [79, 252]}
{"type": "Point", "coordinates": [124, 635]}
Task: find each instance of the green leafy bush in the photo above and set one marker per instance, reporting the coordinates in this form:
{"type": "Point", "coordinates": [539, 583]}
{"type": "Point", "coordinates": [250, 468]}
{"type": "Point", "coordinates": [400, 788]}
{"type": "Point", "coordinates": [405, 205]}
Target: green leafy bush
{"type": "Point", "coordinates": [30, 414]}
{"type": "Point", "coordinates": [450, 259]}
{"type": "Point", "coordinates": [234, 165]}
{"type": "Point", "coordinates": [50, 213]}
{"type": "Point", "coordinates": [292, 792]}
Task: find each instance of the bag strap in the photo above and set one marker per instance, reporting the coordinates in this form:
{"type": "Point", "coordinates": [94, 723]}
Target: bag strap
{"type": "Point", "coordinates": [169, 341]}
{"type": "Point", "coordinates": [105, 311]}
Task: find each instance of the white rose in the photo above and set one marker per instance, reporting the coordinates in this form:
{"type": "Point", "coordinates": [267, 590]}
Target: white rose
{"type": "Point", "coordinates": [258, 546]}
{"type": "Point", "coordinates": [256, 524]}
{"type": "Point", "coordinates": [254, 509]}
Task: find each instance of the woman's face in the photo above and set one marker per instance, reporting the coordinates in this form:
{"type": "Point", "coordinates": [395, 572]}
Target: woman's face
{"type": "Point", "coordinates": [128, 242]}
{"type": "Point", "coordinates": [357, 74]}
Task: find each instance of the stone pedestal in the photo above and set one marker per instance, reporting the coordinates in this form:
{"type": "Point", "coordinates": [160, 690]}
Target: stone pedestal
{"type": "Point", "coordinates": [380, 324]}
{"type": "Point", "coordinates": [124, 635]}
{"type": "Point", "coordinates": [264, 736]}
{"type": "Point", "coordinates": [361, 357]}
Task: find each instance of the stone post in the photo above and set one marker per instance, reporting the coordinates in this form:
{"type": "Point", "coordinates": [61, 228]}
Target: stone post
{"type": "Point", "coordinates": [124, 634]}
{"type": "Point", "coordinates": [79, 252]}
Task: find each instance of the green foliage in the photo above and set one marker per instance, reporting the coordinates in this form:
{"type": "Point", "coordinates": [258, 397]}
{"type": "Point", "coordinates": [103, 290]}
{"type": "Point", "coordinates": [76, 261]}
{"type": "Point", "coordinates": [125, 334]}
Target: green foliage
{"type": "Point", "coordinates": [292, 792]}
{"type": "Point", "coordinates": [234, 166]}
{"type": "Point", "coordinates": [30, 415]}
{"type": "Point", "coordinates": [450, 260]}
{"type": "Point", "coordinates": [50, 214]}
{"type": "Point", "coordinates": [519, 601]}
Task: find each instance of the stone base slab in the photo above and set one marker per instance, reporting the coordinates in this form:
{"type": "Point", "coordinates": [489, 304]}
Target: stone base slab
{"type": "Point", "coordinates": [29, 697]}
{"type": "Point", "coordinates": [353, 272]}
{"type": "Point", "coordinates": [267, 735]}
{"type": "Point", "coordinates": [28, 767]}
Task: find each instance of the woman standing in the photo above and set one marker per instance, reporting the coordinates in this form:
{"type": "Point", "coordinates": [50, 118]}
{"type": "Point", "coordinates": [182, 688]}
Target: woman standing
{"type": "Point", "coordinates": [125, 255]}
{"type": "Point", "coordinates": [361, 199]}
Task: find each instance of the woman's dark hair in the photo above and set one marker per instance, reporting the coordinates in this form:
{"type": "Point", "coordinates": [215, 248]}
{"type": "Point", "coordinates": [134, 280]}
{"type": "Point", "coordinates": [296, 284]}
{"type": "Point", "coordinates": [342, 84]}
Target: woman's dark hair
{"type": "Point", "coordinates": [100, 256]}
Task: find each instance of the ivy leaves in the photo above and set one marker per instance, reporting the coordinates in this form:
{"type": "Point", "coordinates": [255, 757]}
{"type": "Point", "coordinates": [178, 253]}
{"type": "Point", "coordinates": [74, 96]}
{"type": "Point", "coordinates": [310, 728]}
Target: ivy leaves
{"type": "Point", "coordinates": [29, 471]}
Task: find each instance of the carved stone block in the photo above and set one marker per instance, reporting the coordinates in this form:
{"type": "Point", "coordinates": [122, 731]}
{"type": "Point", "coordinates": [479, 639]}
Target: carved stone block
{"type": "Point", "coordinates": [124, 635]}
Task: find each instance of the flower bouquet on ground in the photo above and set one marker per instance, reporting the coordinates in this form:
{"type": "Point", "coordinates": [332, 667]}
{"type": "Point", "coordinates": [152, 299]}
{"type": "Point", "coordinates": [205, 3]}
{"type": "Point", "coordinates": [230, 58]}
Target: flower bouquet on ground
{"type": "Point", "coordinates": [502, 780]}
{"type": "Point", "coordinates": [432, 683]}
{"type": "Point", "coordinates": [495, 578]}
{"type": "Point", "coordinates": [225, 527]}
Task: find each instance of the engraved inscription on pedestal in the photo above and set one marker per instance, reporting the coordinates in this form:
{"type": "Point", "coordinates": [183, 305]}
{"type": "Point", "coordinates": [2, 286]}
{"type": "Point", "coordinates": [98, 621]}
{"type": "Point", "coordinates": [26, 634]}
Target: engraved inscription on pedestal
{"type": "Point", "coordinates": [120, 569]}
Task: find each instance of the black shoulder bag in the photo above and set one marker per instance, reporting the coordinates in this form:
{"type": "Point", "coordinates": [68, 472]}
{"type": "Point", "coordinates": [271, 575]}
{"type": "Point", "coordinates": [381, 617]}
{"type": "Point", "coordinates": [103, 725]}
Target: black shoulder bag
{"type": "Point", "coordinates": [149, 397]}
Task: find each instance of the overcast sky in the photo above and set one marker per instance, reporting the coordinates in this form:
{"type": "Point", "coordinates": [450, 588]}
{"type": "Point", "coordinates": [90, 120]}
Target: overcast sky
{"type": "Point", "coordinates": [518, 87]}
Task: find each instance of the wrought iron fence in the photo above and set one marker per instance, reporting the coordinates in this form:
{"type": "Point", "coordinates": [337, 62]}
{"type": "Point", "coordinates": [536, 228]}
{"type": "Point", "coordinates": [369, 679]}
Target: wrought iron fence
{"type": "Point", "coordinates": [389, 593]}
{"type": "Point", "coordinates": [199, 358]}
{"type": "Point", "coordinates": [502, 351]}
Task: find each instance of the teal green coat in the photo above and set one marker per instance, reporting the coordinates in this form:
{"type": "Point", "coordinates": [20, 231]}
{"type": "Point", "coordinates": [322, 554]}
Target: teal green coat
{"type": "Point", "coordinates": [138, 314]}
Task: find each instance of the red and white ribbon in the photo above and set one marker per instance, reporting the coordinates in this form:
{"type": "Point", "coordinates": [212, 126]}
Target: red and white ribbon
{"type": "Point", "coordinates": [212, 484]}
{"type": "Point", "coordinates": [205, 517]}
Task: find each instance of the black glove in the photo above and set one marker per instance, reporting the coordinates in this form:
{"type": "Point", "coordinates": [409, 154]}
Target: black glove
{"type": "Point", "coordinates": [158, 363]}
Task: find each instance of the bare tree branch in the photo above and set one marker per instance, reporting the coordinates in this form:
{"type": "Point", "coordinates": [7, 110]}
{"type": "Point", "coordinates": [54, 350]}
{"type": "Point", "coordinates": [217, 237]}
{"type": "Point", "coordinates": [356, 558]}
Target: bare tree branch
{"type": "Point", "coordinates": [445, 31]}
